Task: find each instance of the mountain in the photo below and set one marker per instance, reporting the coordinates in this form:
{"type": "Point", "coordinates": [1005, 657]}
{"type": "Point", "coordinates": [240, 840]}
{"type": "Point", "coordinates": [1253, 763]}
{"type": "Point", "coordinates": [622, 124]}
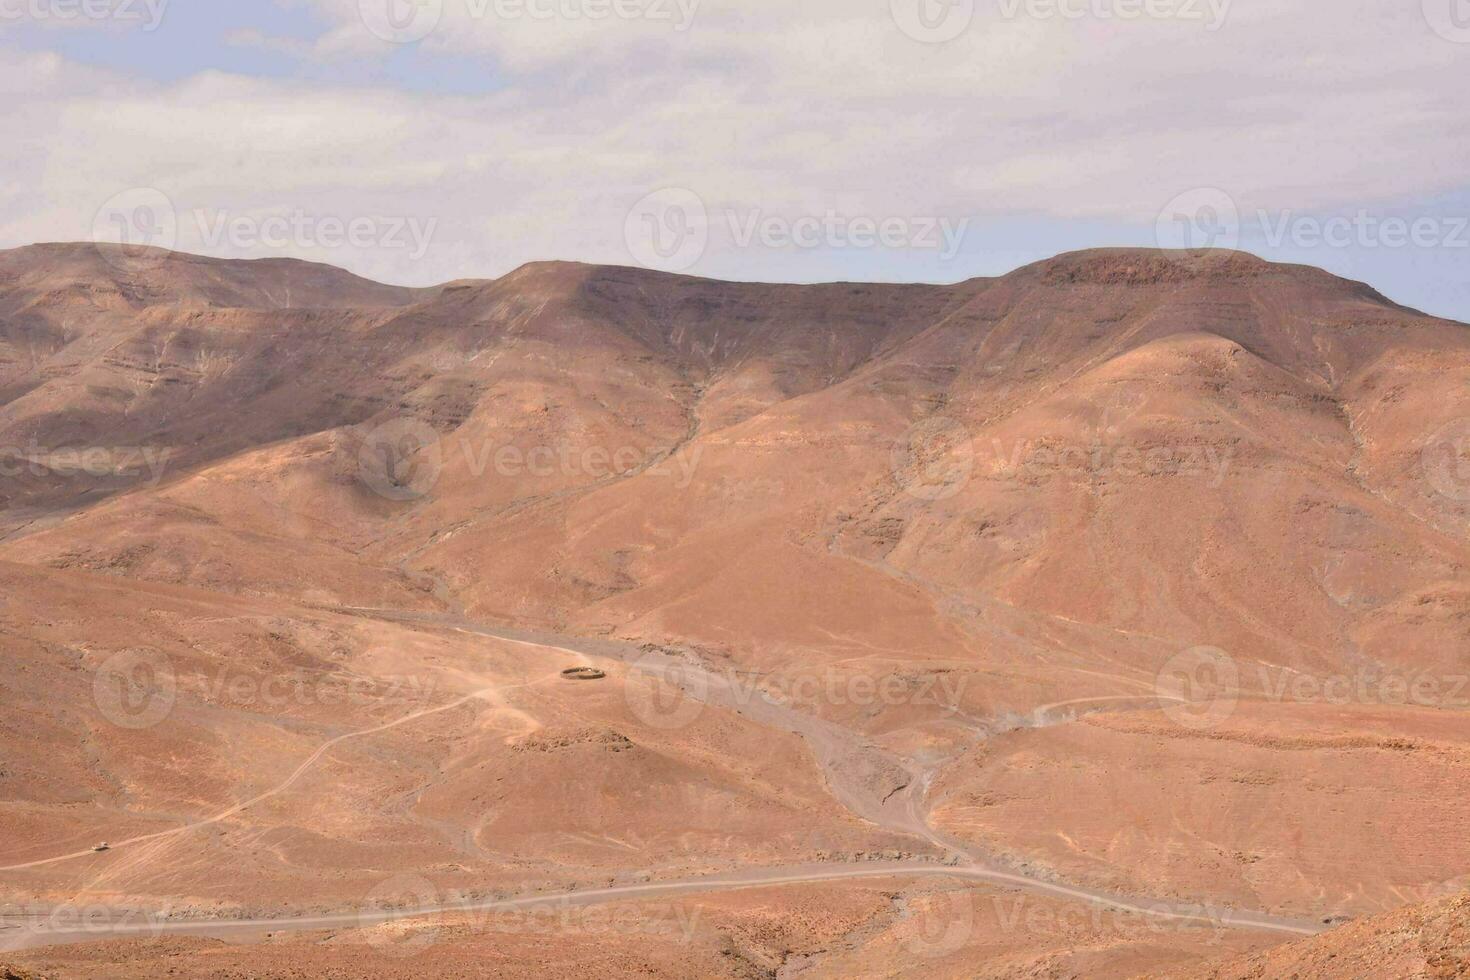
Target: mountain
{"type": "Point", "coordinates": [1429, 942]}
{"type": "Point", "coordinates": [1021, 506]}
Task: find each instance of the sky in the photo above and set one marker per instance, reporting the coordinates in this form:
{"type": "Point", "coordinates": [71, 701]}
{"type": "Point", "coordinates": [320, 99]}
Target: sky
{"type": "Point", "coordinates": [420, 141]}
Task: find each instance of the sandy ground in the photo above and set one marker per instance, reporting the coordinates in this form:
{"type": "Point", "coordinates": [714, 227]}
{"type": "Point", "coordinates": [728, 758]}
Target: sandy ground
{"type": "Point", "coordinates": [1126, 580]}
{"type": "Point", "coordinates": [866, 928]}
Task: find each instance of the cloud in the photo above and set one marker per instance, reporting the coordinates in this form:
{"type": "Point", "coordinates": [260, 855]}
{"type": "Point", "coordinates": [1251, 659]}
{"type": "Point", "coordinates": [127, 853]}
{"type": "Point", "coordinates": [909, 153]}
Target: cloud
{"type": "Point", "coordinates": [292, 47]}
{"type": "Point", "coordinates": [778, 107]}
{"type": "Point", "coordinates": [70, 15]}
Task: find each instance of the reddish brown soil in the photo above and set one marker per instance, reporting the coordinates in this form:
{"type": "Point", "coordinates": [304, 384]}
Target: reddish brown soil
{"type": "Point", "coordinates": [965, 528]}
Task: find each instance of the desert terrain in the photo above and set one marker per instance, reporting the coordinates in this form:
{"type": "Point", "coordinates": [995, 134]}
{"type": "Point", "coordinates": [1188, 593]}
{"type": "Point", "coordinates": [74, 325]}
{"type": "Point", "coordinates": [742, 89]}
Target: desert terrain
{"type": "Point", "coordinates": [1109, 618]}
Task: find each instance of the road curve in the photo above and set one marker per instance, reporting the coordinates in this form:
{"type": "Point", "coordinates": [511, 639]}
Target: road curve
{"type": "Point", "coordinates": [834, 747]}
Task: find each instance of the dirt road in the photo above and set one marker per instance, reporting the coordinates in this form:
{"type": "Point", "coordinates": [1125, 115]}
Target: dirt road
{"type": "Point", "coordinates": [884, 789]}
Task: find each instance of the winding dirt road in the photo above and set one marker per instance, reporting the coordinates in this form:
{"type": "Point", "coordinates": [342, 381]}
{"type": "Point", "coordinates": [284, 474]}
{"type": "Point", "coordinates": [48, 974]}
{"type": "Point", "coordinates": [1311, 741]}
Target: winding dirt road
{"type": "Point", "coordinates": [855, 770]}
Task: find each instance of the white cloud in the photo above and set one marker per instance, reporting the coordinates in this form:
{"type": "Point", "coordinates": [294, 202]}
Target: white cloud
{"type": "Point", "coordinates": [787, 107]}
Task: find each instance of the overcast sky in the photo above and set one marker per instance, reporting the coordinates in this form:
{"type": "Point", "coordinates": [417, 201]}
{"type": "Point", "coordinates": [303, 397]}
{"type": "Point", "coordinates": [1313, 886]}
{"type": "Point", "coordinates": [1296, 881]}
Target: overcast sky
{"type": "Point", "coordinates": [416, 142]}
